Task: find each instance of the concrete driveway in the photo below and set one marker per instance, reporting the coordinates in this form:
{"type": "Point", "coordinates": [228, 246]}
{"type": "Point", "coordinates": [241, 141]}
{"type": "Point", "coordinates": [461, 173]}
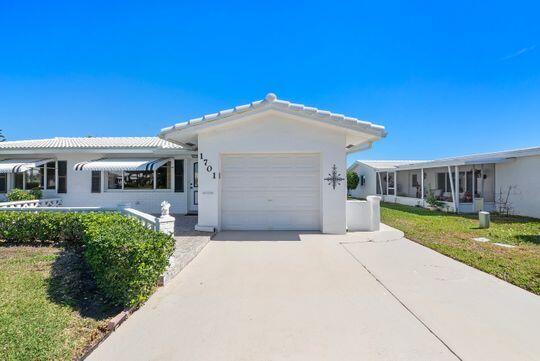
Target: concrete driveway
{"type": "Point", "coordinates": [290, 296]}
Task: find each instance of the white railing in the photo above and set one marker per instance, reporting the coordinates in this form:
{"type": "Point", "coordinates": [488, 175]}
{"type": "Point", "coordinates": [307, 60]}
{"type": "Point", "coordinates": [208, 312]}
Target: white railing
{"type": "Point", "coordinates": [146, 219]}
{"type": "Point", "coordinates": [35, 203]}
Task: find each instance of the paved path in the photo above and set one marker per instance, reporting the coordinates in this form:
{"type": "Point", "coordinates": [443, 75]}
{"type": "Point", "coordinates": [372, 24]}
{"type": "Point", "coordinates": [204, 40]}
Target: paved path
{"type": "Point", "coordinates": [284, 296]}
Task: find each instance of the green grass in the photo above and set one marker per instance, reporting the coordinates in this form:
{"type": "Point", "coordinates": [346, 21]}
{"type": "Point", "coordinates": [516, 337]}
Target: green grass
{"type": "Point", "coordinates": [49, 307]}
{"type": "Point", "coordinates": [451, 235]}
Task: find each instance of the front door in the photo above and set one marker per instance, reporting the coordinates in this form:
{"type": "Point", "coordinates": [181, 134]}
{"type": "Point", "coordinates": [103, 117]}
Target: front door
{"type": "Point", "coordinates": [194, 188]}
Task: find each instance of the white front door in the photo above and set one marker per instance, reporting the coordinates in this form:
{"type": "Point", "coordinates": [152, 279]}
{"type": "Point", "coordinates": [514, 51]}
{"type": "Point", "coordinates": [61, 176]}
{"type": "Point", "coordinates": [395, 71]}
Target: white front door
{"type": "Point", "coordinates": [194, 187]}
{"type": "Point", "coordinates": [271, 192]}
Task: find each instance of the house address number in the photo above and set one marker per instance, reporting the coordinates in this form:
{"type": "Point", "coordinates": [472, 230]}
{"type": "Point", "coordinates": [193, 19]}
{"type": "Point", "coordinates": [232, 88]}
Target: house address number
{"type": "Point", "coordinates": [209, 167]}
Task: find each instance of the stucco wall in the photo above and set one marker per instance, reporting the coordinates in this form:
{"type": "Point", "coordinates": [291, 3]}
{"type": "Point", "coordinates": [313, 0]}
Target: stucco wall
{"type": "Point", "coordinates": [525, 174]}
{"type": "Point", "coordinates": [79, 189]}
{"type": "Point", "coordinates": [274, 132]}
{"type": "Point", "coordinates": [370, 187]}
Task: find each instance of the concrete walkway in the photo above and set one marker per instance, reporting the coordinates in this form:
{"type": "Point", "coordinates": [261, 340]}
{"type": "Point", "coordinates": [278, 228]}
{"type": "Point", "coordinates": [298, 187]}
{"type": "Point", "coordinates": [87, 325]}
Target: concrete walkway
{"type": "Point", "coordinates": [290, 296]}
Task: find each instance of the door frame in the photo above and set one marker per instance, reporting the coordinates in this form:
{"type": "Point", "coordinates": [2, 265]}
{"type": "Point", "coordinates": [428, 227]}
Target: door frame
{"type": "Point", "coordinates": [192, 186]}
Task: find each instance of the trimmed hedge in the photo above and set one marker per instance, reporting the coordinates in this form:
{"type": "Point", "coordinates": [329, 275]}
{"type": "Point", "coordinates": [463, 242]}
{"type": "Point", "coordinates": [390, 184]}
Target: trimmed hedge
{"type": "Point", "coordinates": [125, 257]}
{"type": "Point", "coordinates": [24, 227]}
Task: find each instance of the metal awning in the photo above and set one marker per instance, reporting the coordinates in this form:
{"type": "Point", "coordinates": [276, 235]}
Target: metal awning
{"type": "Point", "coordinates": [21, 165]}
{"type": "Point", "coordinates": [120, 164]}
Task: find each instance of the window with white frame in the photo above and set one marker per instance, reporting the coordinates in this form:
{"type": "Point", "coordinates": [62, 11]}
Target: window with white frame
{"type": "Point", "coordinates": [140, 180]}
{"type": "Point", "coordinates": [42, 177]}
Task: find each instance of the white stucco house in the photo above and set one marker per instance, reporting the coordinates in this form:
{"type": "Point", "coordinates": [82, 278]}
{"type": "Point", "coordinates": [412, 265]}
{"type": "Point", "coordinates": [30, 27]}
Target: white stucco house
{"type": "Point", "coordinates": [470, 183]}
{"type": "Point", "coordinates": [267, 165]}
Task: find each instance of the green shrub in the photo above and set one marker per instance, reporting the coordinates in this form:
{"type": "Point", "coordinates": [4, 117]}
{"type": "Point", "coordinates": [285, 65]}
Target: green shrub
{"type": "Point", "coordinates": [41, 226]}
{"type": "Point", "coordinates": [16, 195]}
{"type": "Point", "coordinates": [352, 180]}
{"type": "Point", "coordinates": [433, 201]}
{"type": "Point", "coordinates": [125, 257]}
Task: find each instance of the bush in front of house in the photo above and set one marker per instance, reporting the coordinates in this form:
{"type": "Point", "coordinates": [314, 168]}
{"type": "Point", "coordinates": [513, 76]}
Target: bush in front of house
{"type": "Point", "coordinates": [125, 257]}
{"type": "Point", "coordinates": [27, 226]}
{"type": "Point", "coordinates": [16, 195]}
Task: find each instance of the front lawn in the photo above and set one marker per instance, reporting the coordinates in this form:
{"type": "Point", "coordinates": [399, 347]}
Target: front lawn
{"type": "Point", "coordinates": [453, 234]}
{"type": "Point", "coordinates": [50, 308]}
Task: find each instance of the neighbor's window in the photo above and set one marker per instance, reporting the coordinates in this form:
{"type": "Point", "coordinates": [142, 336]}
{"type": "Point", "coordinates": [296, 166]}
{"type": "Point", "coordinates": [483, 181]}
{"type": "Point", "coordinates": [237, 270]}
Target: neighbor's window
{"type": "Point", "coordinates": [415, 180]}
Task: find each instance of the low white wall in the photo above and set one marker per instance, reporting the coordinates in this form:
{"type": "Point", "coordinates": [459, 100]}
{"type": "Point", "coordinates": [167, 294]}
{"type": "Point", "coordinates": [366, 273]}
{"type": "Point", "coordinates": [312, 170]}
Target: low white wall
{"type": "Point", "coordinates": [364, 215]}
{"type": "Point", "coordinates": [409, 201]}
{"type": "Point", "coordinates": [523, 175]}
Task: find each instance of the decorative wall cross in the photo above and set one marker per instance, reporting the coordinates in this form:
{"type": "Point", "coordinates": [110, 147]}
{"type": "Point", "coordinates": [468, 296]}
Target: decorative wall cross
{"type": "Point", "coordinates": [334, 178]}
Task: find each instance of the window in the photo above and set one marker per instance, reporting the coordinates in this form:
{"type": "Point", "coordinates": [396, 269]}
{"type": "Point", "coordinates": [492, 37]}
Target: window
{"type": "Point", "coordinates": [96, 182]}
{"type": "Point", "coordinates": [18, 181]}
{"type": "Point", "coordinates": [139, 180]}
{"type": "Point", "coordinates": [62, 176]}
{"type": "Point", "coordinates": [179, 175]}
{"type": "Point", "coordinates": [3, 182]}
{"type": "Point", "coordinates": [443, 182]}
{"type": "Point", "coordinates": [51, 175]}
{"type": "Point", "coordinates": [114, 180]}
{"type": "Point", "coordinates": [34, 178]}
{"type": "Point", "coordinates": [415, 180]}
{"type": "Point", "coordinates": [163, 176]}
{"type": "Point", "coordinates": [161, 179]}
{"type": "Point", "coordinates": [43, 177]}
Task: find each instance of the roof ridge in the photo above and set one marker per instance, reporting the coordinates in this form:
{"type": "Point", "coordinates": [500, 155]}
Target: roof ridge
{"type": "Point", "coordinates": [271, 100]}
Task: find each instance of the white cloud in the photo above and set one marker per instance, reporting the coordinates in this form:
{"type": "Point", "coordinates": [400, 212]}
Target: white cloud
{"type": "Point", "coordinates": [520, 52]}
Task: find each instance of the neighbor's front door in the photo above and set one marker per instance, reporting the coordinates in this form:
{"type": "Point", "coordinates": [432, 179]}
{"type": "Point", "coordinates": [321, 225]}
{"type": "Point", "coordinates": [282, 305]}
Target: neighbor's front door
{"type": "Point", "coordinates": [194, 188]}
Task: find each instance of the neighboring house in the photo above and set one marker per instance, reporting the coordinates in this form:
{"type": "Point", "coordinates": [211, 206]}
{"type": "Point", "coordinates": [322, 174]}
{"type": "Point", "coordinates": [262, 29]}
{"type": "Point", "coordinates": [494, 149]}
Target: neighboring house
{"type": "Point", "coordinates": [489, 181]}
{"type": "Point", "coordinates": [367, 169]}
{"type": "Point", "coordinates": [269, 164]}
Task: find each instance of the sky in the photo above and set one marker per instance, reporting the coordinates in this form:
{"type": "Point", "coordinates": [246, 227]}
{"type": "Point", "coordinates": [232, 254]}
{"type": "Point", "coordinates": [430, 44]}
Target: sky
{"type": "Point", "coordinates": [444, 78]}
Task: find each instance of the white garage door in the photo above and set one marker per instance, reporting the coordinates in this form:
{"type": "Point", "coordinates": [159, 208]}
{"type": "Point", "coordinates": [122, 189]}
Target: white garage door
{"type": "Point", "coordinates": [270, 192]}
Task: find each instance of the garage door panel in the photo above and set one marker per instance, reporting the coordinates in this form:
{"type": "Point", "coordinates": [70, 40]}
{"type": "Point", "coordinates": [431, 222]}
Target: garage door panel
{"type": "Point", "coordinates": [280, 191]}
{"type": "Point", "coordinates": [281, 220]}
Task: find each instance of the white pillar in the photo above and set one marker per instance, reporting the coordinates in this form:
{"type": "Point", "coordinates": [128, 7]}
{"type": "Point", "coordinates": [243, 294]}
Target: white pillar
{"type": "Point", "coordinates": [457, 190]}
{"type": "Point", "coordinates": [422, 183]}
{"type": "Point", "coordinates": [374, 203]}
{"type": "Point", "coordinates": [452, 189]}
{"type": "Point", "coordinates": [473, 182]}
{"type": "Point", "coordinates": [395, 184]}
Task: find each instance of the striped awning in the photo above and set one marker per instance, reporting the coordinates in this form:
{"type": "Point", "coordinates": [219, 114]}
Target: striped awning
{"type": "Point", "coordinates": [21, 165]}
{"type": "Point", "coordinates": [120, 164]}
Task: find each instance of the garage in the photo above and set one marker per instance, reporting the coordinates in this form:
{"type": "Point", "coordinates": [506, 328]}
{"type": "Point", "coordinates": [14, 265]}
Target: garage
{"type": "Point", "coordinates": [271, 192]}
{"type": "Point", "coordinates": [273, 165]}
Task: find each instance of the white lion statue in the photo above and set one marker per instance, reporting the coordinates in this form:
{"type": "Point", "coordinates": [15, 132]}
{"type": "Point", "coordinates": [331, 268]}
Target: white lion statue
{"type": "Point", "coordinates": [165, 208]}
